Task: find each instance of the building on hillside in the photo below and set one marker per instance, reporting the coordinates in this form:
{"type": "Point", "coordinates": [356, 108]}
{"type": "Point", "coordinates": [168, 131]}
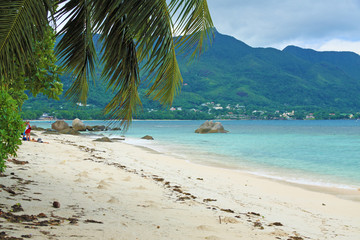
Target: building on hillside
{"type": "Point", "coordinates": [46, 116]}
{"type": "Point", "coordinates": [310, 116]}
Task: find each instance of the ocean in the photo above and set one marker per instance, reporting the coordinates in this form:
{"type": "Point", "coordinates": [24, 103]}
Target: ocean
{"type": "Point", "coordinates": [317, 153]}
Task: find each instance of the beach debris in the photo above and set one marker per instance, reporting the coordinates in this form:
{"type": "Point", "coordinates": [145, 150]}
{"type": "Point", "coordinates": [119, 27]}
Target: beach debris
{"type": "Point", "coordinates": [183, 198]}
{"type": "Point", "coordinates": [258, 224]}
{"type": "Point", "coordinates": [17, 218]}
{"type": "Point", "coordinates": [147, 137]}
{"type": "Point", "coordinates": [158, 179]}
{"type": "Point", "coordinates": [227, 210]}
{"type": "Point", "coordinates": [17, 208]}
{"type": "Point", "coordinates": [78, 125]}
{"type": "Point", "coordinates": [295, 238]}
{"type": "Point", "coordinates": [26, 235]}
{"type": "Point", "coordinates": [103, 139]}
{"type": "Point", "coordinates": [41, 215]}
{"type": "Point", "coordinates": [7, 189]}
{"type": "Point", "coordinates": [73, 220]}
{"type": "Point", "coordinates": [52, 222]}
{"type": "Point", "coordinates": [177, 190]}
{"type": "Point", "coordinates": [18, 162]}
{"type": "Point", "coordinates": [279, 224]}
{"type": "Point", "coordinates": [211, 127]}
{"type": "Point", "coordinates": [59, 125]}
{"type": "Point", "coordinates": [56, 204]}
{"type": "Point", "coordinates": [201, 179]}
{"type": "Point", "coordinates": [209, 200]}
{"type": "Point", "coordinates": [92, 221]}
{"type": "Point", "coordinates": [254, 213]}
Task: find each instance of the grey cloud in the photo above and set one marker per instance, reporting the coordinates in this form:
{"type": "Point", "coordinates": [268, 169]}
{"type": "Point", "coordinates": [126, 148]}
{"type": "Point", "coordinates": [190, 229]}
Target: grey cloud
{"type": "Point", "coordinates": [276, 22]}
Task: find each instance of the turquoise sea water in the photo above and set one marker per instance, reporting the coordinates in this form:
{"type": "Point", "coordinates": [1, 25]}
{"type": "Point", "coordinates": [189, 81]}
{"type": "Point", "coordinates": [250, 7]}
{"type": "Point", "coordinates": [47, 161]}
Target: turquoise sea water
{"type": "Point", "coordinates": [325, 153]}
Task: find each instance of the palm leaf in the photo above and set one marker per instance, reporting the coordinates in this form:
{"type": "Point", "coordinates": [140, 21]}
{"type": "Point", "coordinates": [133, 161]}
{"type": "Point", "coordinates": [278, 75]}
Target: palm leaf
{"type": "Point", "coordinates": [21, 21]}
{"type": "Point", "coordinates": [121, 70]}
{"type": "Point", "coordinates": [76, 48]}
{"type": "Point", "coordinates": [193, 24]}
{"type": "Point", "coordinates": [133, 33]}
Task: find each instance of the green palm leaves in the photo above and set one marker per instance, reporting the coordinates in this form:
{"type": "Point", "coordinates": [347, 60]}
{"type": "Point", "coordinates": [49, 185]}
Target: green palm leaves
{"type": "Point", "coordinates": [21, 21]}
{"type": "Point", "coordinates": [136, 35]}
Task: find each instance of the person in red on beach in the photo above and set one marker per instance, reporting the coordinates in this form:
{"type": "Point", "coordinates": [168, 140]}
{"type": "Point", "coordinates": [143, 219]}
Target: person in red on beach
{"type": "Point", "coordinates": [27, 130]}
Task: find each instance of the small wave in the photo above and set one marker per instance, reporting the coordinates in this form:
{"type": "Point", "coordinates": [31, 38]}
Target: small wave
{"type": "Point", "coordinates": [304, 181]}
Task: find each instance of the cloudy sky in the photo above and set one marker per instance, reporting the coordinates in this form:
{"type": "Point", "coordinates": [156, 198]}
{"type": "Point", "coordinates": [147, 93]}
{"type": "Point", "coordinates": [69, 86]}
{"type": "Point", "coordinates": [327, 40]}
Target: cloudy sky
{"type": "Point", "coordinates": [318, 24]}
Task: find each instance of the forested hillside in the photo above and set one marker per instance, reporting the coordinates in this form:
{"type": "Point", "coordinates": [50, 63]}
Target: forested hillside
{"type": "Point", "coordinates": [234, 75]}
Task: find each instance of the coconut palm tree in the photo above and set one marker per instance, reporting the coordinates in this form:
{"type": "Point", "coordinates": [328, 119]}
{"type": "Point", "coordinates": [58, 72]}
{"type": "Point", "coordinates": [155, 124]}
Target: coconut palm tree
{"type": "Point", "coordinates": [136, 35]}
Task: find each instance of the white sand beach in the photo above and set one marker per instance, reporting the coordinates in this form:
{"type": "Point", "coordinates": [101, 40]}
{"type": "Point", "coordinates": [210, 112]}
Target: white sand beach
{"type": "Point", "coordinates": [120, 191]}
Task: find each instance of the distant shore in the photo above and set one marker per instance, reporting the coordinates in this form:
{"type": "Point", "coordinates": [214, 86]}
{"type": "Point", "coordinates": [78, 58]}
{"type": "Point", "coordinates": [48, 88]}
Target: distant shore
{"type": "Point", "coordinates": [120, 191]}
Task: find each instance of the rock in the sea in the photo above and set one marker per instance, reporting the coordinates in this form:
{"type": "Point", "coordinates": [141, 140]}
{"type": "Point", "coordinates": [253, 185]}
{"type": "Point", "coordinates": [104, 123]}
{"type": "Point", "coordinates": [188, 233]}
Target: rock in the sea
{"type": "Point", "coordinates": [59, 125]}
{"type": "Point", "coordinates": [70, 131]}
{"type": "Point", "coordinates": [99, 128]}
{"type": "Point", "coordinates": [89, 128]}
{"type": "Point", "coordinates": [51, 131]}
{"type": "Point", "coordinates": [211, 127]}
{"type": "Point", "coordinates": [78, 125]}
{"type": "Point", "coordinates": [35, 128]}
{"type": "Point", "coordinates": [103, 139]}
{"type": "Point", "coordinates": [147, 137]}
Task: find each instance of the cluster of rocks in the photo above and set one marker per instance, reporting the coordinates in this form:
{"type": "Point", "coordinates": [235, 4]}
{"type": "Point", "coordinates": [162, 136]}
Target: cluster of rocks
{"type": "Point", "coordinates": [211, 127]}
{"type": "Point", "coordinates": [60, 126]}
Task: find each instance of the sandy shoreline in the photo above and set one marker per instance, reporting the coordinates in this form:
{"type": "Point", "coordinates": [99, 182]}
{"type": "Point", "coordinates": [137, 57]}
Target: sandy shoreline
{"type": "Point", "coordinates": [120, 191]}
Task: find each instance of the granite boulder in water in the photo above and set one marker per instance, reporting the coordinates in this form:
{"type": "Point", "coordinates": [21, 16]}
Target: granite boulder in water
{"type": "Point", "coordinates": [103, 139]}
{"type": "Point", "coordinates": [59, 125]}
{"type": "Point", "coordinates": [211, 127]}
{"type": "Point", "coordinates": [70, 131]}
{"type": "Point", "coordinates": [78, 125]}
{"type": "Point", "coordinates": [147, 137]}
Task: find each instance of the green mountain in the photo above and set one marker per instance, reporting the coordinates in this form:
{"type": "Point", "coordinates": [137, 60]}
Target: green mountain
{"type": "Point", "coordinates": [233, 73]}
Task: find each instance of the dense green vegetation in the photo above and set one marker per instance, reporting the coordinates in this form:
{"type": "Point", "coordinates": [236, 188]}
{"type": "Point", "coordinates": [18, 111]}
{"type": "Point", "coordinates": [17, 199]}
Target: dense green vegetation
{"type": "Point", "coordinates": [244, 79]}
{"type": "Point", "coordinates": [41, 75]}
{"type": "Point", "coordinates": [11, 127]}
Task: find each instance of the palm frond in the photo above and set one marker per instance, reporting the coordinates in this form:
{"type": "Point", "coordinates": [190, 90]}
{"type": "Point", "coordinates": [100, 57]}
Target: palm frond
{"type": "Point", "coordinates": [76, 48]}
{"type": "Point", "coordinates": [193, 25]}
{"type": "Point", "coordinates": [151, 26]}
{"type": "Point", "coordinates": [121, 68]}
{"type": "Point", "coordinates": [133, 33]}
{"type": "Point", "coordinates": [158, 53]}
{"type": "Point", "coordinates": [21, 21]}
